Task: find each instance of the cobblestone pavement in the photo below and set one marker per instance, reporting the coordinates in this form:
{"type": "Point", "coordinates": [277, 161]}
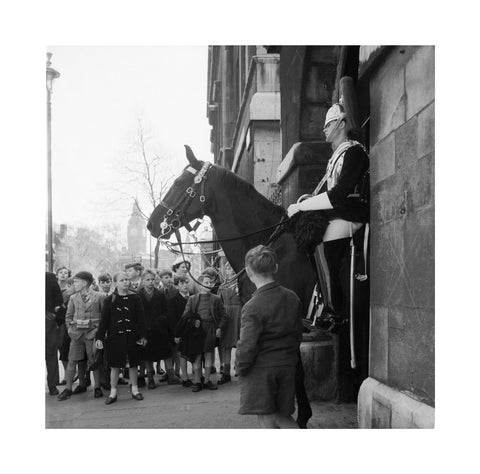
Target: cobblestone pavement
{"type": "Point", "coordinates": [173, 406]}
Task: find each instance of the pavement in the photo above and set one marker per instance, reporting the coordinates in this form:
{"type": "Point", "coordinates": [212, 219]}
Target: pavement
{"type": "Point", "coordinates": [174, 406]}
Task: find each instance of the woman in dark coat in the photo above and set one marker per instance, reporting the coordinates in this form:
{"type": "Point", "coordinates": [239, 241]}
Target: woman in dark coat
{"type": "Point", "coordinates": [122, 329]}
{"type": "Point", "coordinates": [159, 335]}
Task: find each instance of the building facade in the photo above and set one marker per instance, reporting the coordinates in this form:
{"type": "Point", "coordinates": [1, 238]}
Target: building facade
{"type": "Point", "coordinates": [267, 106]}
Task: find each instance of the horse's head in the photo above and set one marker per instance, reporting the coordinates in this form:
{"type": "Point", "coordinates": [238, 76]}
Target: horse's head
{"type": "Point", "coordinates": [183, 202]}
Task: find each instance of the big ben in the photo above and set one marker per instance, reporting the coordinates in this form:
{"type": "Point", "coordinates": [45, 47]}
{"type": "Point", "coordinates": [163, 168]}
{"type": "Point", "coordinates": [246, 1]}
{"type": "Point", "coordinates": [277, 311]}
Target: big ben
{"type": "Point", "coordinates": [137, 232]}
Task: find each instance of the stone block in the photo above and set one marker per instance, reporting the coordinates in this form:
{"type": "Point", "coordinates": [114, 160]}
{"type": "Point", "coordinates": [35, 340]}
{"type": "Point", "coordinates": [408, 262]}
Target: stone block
{"type": "Point", "coordinates": [364, 402]}
{"type": "Point", "coordinates": [379, 342]}
{"type": "Point", "coordinates": [382, 159]}
{"type": "Point", "coordinates": [388, 199]}
{"type": "Point", "coordinates": [424, 417]}
{"type": "Point", "coordinates": [406, 144]}
{"type": "Point", "coordinates": [420, 80]}
{"type": "Point", "coordinates": [318, 77]}
{"type": "Point", "coordinates": [387, 98]}
{"type": "Point", "coordinates": [311, 122]}
{"type": "Point", "coordinates": [383, 406]}
{"type": "Point", "coordinates": [395, 318]}
{"type": "Point", "coordinates": [265, 106]}
{"type": "Point", "coordinates": [420, 185]}
{"type": "Point", "coordinates": [426, 131]}
{"type": "Point", "coordinates": [381, 415]}
{"type": "Point", "coordinates": [387, 285]}
{"type": "Point", "coordinates": [420, 258]}
{"type": "Point", "coordinates": [411, 359]}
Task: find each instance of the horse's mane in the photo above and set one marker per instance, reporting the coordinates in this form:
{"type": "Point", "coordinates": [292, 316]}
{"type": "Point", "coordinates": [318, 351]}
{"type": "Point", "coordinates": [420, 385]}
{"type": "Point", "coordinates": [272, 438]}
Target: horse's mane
{"type": "Point", "coordinates": [244, 189]}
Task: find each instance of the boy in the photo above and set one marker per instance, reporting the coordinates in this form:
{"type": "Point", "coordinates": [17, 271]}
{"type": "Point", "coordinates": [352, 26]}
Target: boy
{"type": "Point", "coordinates": [267, 351]}
{"type": "Point", "coordinates": [176, 306]}
{"type": "Point", "coordinates": [82, 320]}
{"type": "Point", "coordinates": [134, 273]}
{"type": "Point", "coordinates": [105, 283]}
{"type": "Point", "coordinates": [168, 288]}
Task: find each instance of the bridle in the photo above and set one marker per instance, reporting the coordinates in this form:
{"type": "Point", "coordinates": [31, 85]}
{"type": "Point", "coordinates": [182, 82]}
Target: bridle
{"type": "Point", "coordinates": [176, 211]}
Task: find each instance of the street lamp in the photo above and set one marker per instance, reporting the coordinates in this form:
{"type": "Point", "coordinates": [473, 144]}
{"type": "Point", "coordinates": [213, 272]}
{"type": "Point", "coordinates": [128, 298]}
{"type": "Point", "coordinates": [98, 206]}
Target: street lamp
{"type": "Point", "coordinates": [51, 76]}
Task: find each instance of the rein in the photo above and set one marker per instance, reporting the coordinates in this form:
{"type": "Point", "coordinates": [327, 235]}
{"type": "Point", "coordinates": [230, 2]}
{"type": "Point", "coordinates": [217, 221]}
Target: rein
{"type": "Point", "coordinates": [178, 210]}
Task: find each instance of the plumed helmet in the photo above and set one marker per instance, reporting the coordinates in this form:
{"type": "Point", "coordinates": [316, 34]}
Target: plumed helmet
{"type": "Point", "coordinates": [335, 112]}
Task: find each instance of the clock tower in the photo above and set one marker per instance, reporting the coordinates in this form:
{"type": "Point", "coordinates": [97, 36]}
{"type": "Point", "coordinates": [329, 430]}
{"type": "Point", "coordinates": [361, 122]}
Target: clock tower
{"type": "Point", "coordinates": [137, 232]}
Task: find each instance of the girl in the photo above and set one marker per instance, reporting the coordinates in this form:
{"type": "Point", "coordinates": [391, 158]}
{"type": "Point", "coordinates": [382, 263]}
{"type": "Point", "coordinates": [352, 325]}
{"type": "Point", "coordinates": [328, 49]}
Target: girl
{"type": "Point", "coordinates": [211, 311]}
{"type": "Point", "coordinates": [122, 329]}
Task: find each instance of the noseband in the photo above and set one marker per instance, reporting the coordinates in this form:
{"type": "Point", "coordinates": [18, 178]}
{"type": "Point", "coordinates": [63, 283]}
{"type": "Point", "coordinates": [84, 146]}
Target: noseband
{"type": "Point", "coordinates": [176, 211]}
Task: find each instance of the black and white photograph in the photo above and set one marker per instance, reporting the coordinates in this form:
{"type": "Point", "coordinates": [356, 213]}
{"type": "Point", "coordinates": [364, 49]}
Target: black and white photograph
{"type": "Point", "coordinates": [248, 216]}
{"type": "Point", "coordinates": [278, 264]}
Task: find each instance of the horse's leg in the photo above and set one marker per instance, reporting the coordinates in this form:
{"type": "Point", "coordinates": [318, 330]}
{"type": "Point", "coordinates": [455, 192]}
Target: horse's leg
{"type": "Point", "coordinates": [304, 412]}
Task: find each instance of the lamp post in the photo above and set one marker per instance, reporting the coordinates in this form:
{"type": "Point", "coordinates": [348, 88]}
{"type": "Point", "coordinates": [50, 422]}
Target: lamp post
{"type": "Point", "coordinates": [51, 76]}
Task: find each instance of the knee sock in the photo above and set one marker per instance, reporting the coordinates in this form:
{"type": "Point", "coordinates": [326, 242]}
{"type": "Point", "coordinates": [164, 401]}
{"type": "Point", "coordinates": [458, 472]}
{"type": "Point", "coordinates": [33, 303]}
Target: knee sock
{"type": "Point", "coordinates": [207, 374]}
{"type": "Point", "coordinates": [197, 375]}
{"type": "Point", "coordinates": [113, 392]}
{"type": "Point", "coordinates": [134, 389]}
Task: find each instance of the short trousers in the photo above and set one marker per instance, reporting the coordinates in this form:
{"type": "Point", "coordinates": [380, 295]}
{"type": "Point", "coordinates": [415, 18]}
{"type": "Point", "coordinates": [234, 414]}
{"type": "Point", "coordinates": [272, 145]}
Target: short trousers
{"type": "Point", "coordinates": [268, 390]}
{"type": "Point", "coordinates": [78, 348]}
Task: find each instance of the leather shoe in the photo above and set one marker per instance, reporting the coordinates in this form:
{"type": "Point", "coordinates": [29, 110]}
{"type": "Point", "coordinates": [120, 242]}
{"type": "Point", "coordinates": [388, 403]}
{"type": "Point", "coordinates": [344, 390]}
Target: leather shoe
{"type": "Point", "coordinates": [53, 391]}
{"type": "Point", "coordinates": [187, 383]}
{"type": "Point", "coordinates": [110, 400]}
{"type": "Point", "coordinates": [97, 393]}
{"type": "Point", "coordinates": [79, 389]}
{"type": "Point", "coordinates": [137, 396]}
{"type": "Point", "coordinates": [224, 379]}
{"type": "Point", "coordinates": [210, 386]}
{"type": "Point", "coordinates": [64, 395]}
{"type": "Point", "coordinates": [197, 388]}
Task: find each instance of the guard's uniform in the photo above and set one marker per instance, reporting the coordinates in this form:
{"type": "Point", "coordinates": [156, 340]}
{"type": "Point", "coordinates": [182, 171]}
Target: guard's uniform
{"type": "Point", "coordinates": [344, 178]}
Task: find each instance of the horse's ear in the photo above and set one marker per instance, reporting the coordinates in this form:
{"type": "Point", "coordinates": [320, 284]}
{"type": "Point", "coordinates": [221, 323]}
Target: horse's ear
{"type": "Point", "coordinates": [192, 159]}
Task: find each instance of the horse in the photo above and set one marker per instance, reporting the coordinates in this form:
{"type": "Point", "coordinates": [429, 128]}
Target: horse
{"type": "Point", "coordinates": [242, 219]}
{"type": "Point", "coordinates": [236, 208]}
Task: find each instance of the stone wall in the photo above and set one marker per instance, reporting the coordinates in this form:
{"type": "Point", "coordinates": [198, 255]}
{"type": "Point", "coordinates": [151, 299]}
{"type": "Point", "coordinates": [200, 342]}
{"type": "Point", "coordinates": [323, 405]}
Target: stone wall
{"type": "Point", "coordinates": [402, 99]}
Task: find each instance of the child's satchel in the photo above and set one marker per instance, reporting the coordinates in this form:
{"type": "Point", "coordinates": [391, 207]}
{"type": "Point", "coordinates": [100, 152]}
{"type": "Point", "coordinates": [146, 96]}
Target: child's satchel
{"type": "Point", "coordinates": [83, 323]}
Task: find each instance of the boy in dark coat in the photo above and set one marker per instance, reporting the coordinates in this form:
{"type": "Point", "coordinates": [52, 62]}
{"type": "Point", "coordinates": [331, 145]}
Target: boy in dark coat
{"type": "Point", "coordinates": [267, 352]}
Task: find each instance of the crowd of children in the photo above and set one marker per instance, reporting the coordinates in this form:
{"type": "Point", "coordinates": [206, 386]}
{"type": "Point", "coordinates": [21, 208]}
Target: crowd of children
{"type": "Point", "coordinates": [120, 329]}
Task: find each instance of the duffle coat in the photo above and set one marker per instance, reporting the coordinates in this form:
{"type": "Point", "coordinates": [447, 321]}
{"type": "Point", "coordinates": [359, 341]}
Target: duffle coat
{"type": "Point", "coordinates": [121, 326]}
{"type": "Point", "coordinates": [159, 336]}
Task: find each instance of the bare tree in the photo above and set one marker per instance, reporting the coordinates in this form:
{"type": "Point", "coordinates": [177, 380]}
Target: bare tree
{"type": "Point", "coordinates": [148, 176]}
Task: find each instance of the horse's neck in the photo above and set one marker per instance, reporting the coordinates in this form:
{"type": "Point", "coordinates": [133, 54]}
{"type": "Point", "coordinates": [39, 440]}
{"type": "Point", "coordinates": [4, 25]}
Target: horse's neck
{"type": "Point", "coordinates": [240, 215]}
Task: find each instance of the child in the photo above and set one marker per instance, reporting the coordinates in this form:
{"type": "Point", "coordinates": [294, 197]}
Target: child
{"type": "Point", "coordinates": [176, 307]}
{"type": "Point", "coordinates": [105, 283]}
{"type": "Point", "coordinates": [267, 352]}
{"type": "Point", "coordinates": [134, 274]}
{"type": "Point", "coordinates": [122, 330]}
{"type": "Point", "coordinates": [82, 320]}
{"type": "Point", "coordinates": [211, 311]}
{"type": "Point", "coordinates": [231, 331]}
{"type": "Point", "coordinates": [159, 335]}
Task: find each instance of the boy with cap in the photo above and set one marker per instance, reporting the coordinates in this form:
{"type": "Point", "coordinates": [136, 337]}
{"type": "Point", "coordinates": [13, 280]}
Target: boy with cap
{"type": "Point", "coordinates": [82, 320]}
{"type": "Point", "coordinates": [267, 351]}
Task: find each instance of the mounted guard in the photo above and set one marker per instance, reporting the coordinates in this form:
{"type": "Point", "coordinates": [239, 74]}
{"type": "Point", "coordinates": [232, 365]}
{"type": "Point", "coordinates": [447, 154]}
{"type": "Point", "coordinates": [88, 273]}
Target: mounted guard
{"type": "Point", "coordinates": [342, 195]}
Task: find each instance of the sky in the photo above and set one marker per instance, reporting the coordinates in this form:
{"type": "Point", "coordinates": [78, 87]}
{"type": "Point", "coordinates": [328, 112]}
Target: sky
{"type": "Point", "coordinates": [97, 102]}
